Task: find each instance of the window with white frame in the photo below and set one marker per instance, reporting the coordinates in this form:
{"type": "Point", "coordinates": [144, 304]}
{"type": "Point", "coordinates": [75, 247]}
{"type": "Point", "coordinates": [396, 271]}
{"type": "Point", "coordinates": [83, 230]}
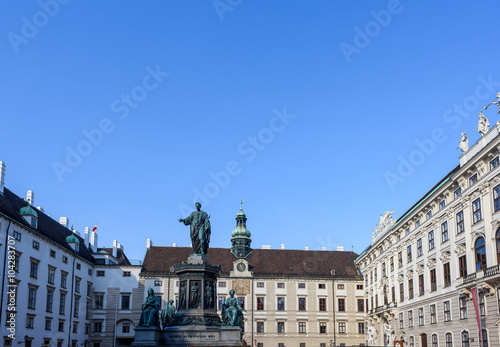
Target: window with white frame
{"type": "Point", "coordinates": [448, 339]}
{"type": "Point", "coordinates": [432, 310]}
{"type": "Point", "coordinates": [421, 316]}
{"type": "Point", "coordinates": [446, 311]}
{"type": "Point", "coordinates": [496, 198]}
{"type": "Point", "coordinates": [431, 239]}
{"type": "Point", "coordinates": [401, 320]}
{"type": "Point", "coordinates": [444, 231]}
{"type": "Point", "coordinates": [462, 305]}
{"type": "Point", "coordinates": [476, 210]}
{"type": "Point", "coordinates": [419, 247]}
{"type": "Point", "coordinates": [442, 204]}
{"type": "Point", "coordinates": [460, 222]}
{"type": "Point", "coordinates": [457, 193]}
{"type": "Point", "coordinates": [472, 179]}
{"type": "Point", "coordinates": [410, 319]}
{"type": "Point", "coordinates": [494, 163]}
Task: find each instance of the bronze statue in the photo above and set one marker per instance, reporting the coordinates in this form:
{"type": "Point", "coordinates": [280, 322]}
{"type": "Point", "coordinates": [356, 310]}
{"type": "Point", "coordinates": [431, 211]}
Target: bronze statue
{"type": "Point", "coordinates": [150, 311]}
{"type": "Point", "coordinates": [209, 296]}
{"type": "Point", "coordinates": [167, 315]}
{"type": "Point", "coordinates": [194, 298]}
{"type": "Point", "coordinates": [182, 296]}
{"type": "Point", "coordinates": [232, 312]}
{"type": "Point", "coordinates": [200, 229]}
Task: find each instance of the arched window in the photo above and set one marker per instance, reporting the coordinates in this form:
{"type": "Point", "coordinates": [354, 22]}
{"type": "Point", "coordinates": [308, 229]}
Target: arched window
{"type": "Point", "coordinates": [465, 338]}
{"type": "Point", "coordinates": [480, 254]}
{"type": "Point", "coordinates": [449, 340]}
{"type": "Point", "coordinates": [485, 338]}
{"type": "Point", "coordinates": [498, 246]}
{"type": "Point", "coordinates": [412, 342]}
{"type": "Point", "coordinates": [434, 340]}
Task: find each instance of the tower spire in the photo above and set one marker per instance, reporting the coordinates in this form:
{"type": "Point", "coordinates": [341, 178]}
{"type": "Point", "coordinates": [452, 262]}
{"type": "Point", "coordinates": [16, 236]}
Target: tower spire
{"type": "Point", "coordinates": [241, 236]}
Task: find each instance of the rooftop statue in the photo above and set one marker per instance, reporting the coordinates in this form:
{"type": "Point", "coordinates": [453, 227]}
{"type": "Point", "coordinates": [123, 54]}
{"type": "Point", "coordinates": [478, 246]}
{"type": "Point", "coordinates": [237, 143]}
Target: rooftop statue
{"type": "Point", "coordinates": [496, 101]}
{"type": "Point", "coordinates": [483, 125]}
{"type": "Point", "coordinates": [150, 311]}
{"type": "Point", "coordinates": [200, 229]}
{"type": "Point", "coordinates": [464, 142]}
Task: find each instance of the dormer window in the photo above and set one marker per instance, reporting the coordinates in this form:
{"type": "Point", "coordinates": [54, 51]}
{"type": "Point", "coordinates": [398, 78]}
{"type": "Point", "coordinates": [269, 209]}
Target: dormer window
{"type": "Point", "coordinates": [30, 215]}
{"type": "Point", "coordinates": [34, 222]}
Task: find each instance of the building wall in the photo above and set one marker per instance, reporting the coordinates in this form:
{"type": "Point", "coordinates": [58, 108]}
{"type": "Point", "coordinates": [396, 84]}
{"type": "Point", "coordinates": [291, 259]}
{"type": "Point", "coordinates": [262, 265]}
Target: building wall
{"type": "Point", "coordinates": [444, 202]}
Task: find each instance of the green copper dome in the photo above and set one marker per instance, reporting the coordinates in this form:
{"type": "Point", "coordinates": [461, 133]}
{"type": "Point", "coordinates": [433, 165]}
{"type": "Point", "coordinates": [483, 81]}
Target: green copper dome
{"type": "Point", "coordinates": [241, 232]}
{"type": "Point", "coordinates": [72, 239]}
{"type": "Point", "coordinates": [28, 211]}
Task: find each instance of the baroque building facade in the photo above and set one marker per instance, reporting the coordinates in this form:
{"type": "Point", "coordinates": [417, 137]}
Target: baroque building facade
{"type": "Point", "coordinates": [421, 271]}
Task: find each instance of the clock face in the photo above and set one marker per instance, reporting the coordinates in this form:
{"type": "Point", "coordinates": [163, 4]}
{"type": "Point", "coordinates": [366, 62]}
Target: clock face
{"type": "Point", "coordinates": [241, 267]}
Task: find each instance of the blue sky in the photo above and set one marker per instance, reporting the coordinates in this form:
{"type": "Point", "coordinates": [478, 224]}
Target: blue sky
{"type": "Point", "coordinates": [119, 112]}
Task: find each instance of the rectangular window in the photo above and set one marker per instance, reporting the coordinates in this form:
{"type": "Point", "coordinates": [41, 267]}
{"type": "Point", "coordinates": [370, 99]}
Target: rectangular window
{"type": "Point", "coordinates": [361, 305]}
{"type": "Point", "coordinates": [322, 327]}
{"type": "Point", "coordinates": [157, 283]}
{"type": "Point", "coordinates": [281, 285]}
{"type": "Point", "coordinates": [431, 239]}
{"type": "Point", "coordinates": [126, 274]}
{"type": "Point", "coordinates": [52, 253]}
{"type": "Point", "coordinates": [476, 210]}
{"type": "Point", "coordinates": [462, 266]}
{"type": "Point", "coordinates": [260, 284]}
{"type": "Point", "coordinates": [342, 327]}
{"type": "Point", "coordinates": [52, 275]}
{"type": "Point", "coordinates": [281, 327]}
{"type": "Point", "coordinates": [77, 284]}
{"type": "Point", "coordinates": [125, 328]}
{"type": "Point", "coordinates": [482, 307]}
{"type": "Point", "coordinates": [433, 280]}
{"type": "Point", "coordinates": [401, 321]}
{"type": "Point", "coordinates": [421, 316]}
{"type": "Point", "coordinates": [496, 198]}
{"type": "Point", "coordinates": [400, 260]}
{"type": "Point", "coordinates": [241, 301]}
{"type": "Point", "coordinates": [401, 292]}
{"type": "Point", "coordinates": [260, 303]}
{"type": "Point", "coordinates": [281, 304]}
{"type": "Point", "coordinates": [34, 269]}
{"type": "Point", "coordinates": [432, 309]}
{"type": "Point", "coordinates": [392, 264]}
{"type": "Point", "coordinates": [97, 327]}
{"type": "Point", "coordinates": [302, 304]}
{"type": "Point", "coordinates": [408, 253]}
{"type": "Point", "coordinates": [460, 222]}
{"type": "Point", "coordinates": [302, 327]}
{"type": "Point", "coordinates": [64, 279]}
{"type": "Point", "coordinates": [48, 324]}
{"type": "Point", "coordinates": [260, 327]}
{"type": "Point", "coordinates": [429, 214]}
{"type": "Point", "coordinates": [17, 236]}
{"type": "Point", "coordinates": [410, 288]}
{"type": "Point", "coordinates": [442, 204]}
{"type": "Point", "coordinates": [340, 286]}
{"type": "Point", "coordinates": [472, 179]}
{"type": "Point", "coordinates": [447, 274]}
{"type": "Point", "coordinates": [125, 305]}
{"type": "Point", "coordinates": [494, 163]}
{"type": "Point", "coordinates": [410, 319]}
{"type": "Point", "coordinates": [417, 223]}
{"type": "Point", "coordinates": [359, 286]}
{"type": "Point", "coordinates": [32, 298]}
{"type": "Point", "coordinates": [444, 232]}
{"type": "Point", "coordinates": [407, 231]}
{"type": "Point", "coordinates": [62, 303]}
{"type": "Point", "coordinates": [321, 286]}
{"type": "Point", "coordinates": [322, 304]}
{"type": "Point", "coordinates": [341, 306]}
{"type": "Point", "coordinates": [419, 248]}
{"type": "Point", "coordinates": [30, 322]}
{"type": "Point", "coordinates": [78, 265]}
{"type": "Point", "coordinates": [100, 273]}
{"type": "Point", "coordinates": [457, 193]}
{"type": "Point", "coordinates": [393, 289]}
{"type": "Point", "coordinates": [36, 245]}
{"type": "Point", "coordinates": [64, 259]}
{"type": "Point", "coordinates": [361, 328]}
{"type": "Point", "coordinates": [301, 285]}
{"type": "Point", "coordinates": [222, 284]}
{"type": "Point", "coordinates": [421, 288]}
{"type": "Point", "coordinates": [50, 300]}
{"type": "Point", "coordinates": [60, 326]}
{"type": "Point", "coordinates": [76, 310]}
{"type": "Point", "coordinates": [75, 327]}
{"type": "Point", "coordinates": [446, 309]}
{"type": "Point", "coordinates": [462, 304]}
{"type": "Point", "coordinates": [98, 301]}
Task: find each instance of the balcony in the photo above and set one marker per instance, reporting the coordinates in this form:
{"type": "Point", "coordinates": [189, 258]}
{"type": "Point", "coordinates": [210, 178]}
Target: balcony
{"type": "Point", "coordinates": [469, 278]}
{"type": "Point", "coordinates": [492, 270]}
{"type": "Point", "coordinates": [384, 308]}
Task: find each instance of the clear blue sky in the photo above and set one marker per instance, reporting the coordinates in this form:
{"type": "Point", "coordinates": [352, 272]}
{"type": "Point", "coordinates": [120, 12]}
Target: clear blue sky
{"type": "Point", "coordinates": [357, 83]}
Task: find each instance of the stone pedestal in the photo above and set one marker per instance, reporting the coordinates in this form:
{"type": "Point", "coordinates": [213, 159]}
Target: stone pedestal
{"type": "Point", "coordinates": [146, 337]}
{"type": "Point", "coordinates": [201, 336]}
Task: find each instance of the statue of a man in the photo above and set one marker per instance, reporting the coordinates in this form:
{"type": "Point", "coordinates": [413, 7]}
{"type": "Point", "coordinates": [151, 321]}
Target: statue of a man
{"type": "Point", "coordinates": [194, 297]}
{"type": "Point", "coordinates": [464, 142]}
{"type": "Point", "coordinates": [200, 229]}
{"type": "Point", "coordinates": [483, 125]}
{"type": "Point", "coordinates": [209, 296]}
{"type": "Point", "coordinates": [150, 311]}
{"type": "Point", "coordinates": [167, 315]}
{"type": "Point", "coordinates": [232, 312]}
{"type": "Point", "coordinates": [495, 102]}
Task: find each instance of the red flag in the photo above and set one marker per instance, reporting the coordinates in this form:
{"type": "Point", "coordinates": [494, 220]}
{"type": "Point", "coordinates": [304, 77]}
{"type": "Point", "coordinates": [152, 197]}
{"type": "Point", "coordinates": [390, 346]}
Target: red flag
{"type": "Point", "coordinates": [95, 228]}
{"type": "Point", "coordinates": [476, 307]}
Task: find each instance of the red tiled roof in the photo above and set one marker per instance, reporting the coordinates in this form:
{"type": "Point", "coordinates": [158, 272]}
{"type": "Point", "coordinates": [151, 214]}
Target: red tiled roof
{"type": "Point", "coordinates": [263, 262]}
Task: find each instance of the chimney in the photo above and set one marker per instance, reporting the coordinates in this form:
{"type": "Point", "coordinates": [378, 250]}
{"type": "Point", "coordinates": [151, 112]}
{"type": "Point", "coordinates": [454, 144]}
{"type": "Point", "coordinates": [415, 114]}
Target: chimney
{"type": "Point", "coordinates": [174, 244]}
{"type": "Point", "coordinates": [87, 232]}
{"type": "Point", "coordinates": [115, 251]}
{"type": "Point", "coordinates": [340, 248]}
{"type": "Point", "coordinates": [30, 197]}
{"type": "Point", "coordinates": [306, 248]}
{"type": "Point", "coordinates": [93, 241]}
{"type": "Point", "coordinates": [149, 243]}
{"type": "Point", "coordinates": [40, 208]}
{"type": "Point", "coordinates": [282, 246]}
{"type": "Point", "coordinates": [2, 176]}
{"type": "Point", "coordinates": [266, 246]}
{"type": "Point", "coordinates": [119, 246]}
{"type": "Point", "coordinates": [323, 248]}
{"type": "Point", "coordinates": [64, 221]}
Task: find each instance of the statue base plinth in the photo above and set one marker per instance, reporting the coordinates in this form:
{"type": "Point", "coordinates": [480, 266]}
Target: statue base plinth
{"type": "Point", "coordinates": [197, 259]}
{"type": "Point", "coordinates": [201, 336]}
{"type": "Point", "coordinates": [145, 336]}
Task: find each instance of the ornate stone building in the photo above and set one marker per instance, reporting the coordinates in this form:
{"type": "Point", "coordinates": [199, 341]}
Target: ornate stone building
{"type": "Point", "coordinates": [293, 298]}
{"type": "Point", "coordinates": [420, 269]}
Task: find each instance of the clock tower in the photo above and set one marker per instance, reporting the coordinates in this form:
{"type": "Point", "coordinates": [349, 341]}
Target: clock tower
{"type": "Point", "coordinates": [240, 236]}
